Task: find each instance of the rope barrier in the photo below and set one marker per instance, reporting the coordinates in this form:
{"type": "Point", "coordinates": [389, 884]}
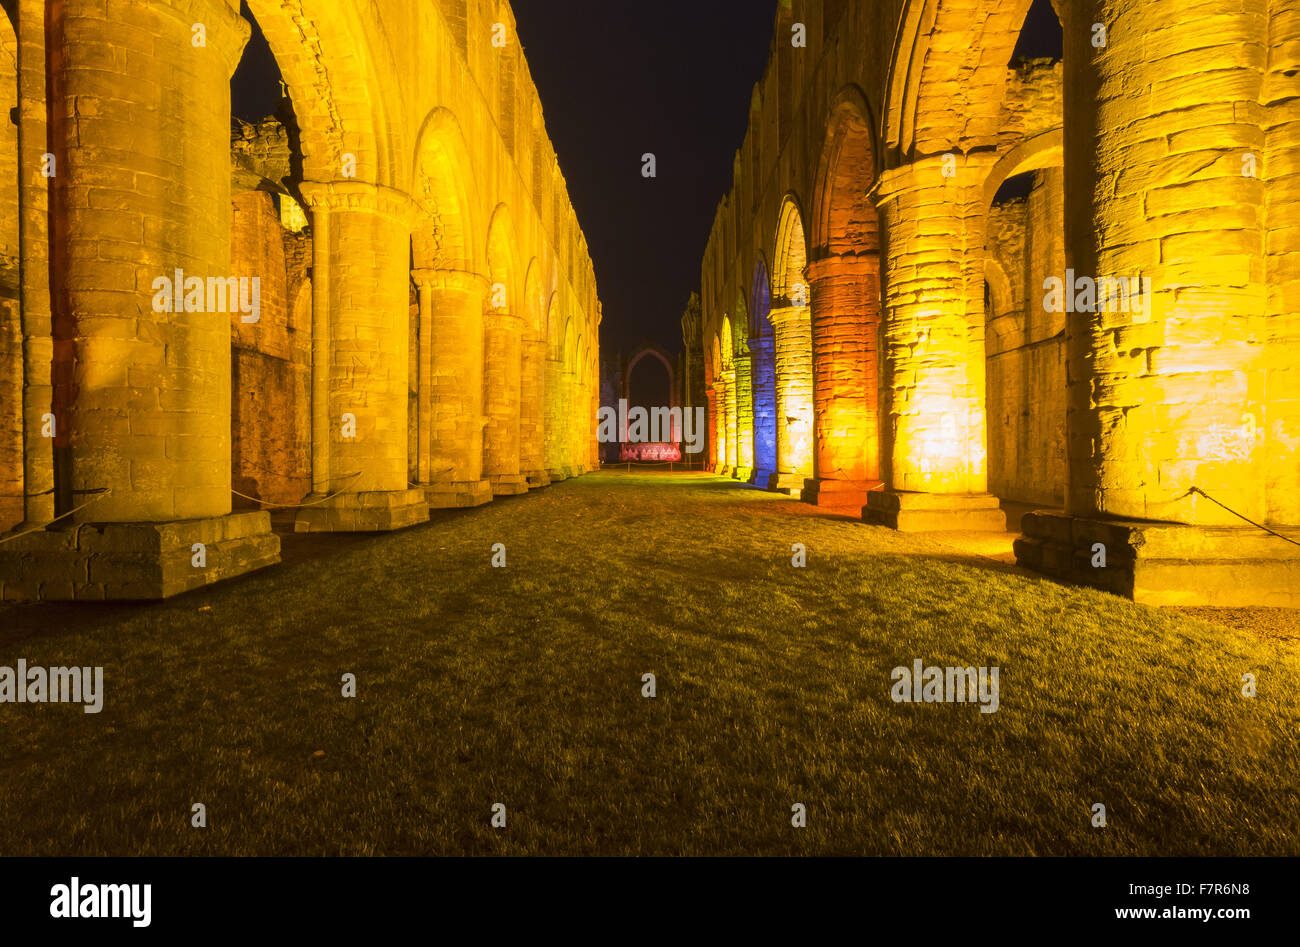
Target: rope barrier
{"type": "Point", "coordinates": [101, 491]}
{"type": "Point", "coordinates": [1288, 539]}
{"type": "Point", "coordinates": [296, 506]}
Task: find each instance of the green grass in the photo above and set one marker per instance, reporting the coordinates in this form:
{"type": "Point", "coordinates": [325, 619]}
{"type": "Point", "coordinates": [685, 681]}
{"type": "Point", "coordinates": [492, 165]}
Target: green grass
{"type": "Point", "coordinates": [523, 686]}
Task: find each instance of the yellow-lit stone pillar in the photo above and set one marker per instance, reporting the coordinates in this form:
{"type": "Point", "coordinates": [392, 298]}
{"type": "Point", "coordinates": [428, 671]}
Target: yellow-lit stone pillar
{"type": "Point", "coordinates": [729, 412]}
{"type": "Point", "coordinates": [792, 328]}
{"type": "Point", "coordinates": [141, 401]}
{"type": "Point", "coordinates": [532, 413]}
{"type": "Point", "coordinates": [503, 365]}
{"type": "Point", "coordinates": [361, 277]}
{"type": "Point", "coordinates": [556, 421]}
{"type": "Point", "coordinates": [451, 306]}
{"type": "Point", "coordinates": [34, 241]}
{"type": "Point", "coordinates": [1183, 390]}
{"type": "Point", "coordinates": [933, 215]}
{"type": "Point", "coordinates": [744, 394]}
{"type": "Point", "coordinates": [572, 422]}
{"type": "Point", "coordinates": [845, 316]}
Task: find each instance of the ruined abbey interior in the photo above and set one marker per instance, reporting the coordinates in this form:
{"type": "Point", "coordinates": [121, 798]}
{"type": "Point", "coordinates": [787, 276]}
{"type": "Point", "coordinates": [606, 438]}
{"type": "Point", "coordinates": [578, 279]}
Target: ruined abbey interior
{"type": "Point", "coordinates": [374, 302]}
{"type": "Point", "coordinates": [957, 277]}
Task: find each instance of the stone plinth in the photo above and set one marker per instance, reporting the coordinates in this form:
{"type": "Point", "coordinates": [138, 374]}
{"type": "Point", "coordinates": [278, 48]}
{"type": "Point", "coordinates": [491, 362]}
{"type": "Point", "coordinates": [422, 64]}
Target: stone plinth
{"type": "Point", "coordinates": [376, 511]}
{"type": "Point", "coordinates": [134, 561]}
{"type": "Point", "coordinates": [837, 492]}
{"type": "Point", "coordinates": [787, 483]}
{"type": "Point", "coordinates": [934, 512]}
{"type": "Point", "coordinates": [1164, 563]}
{"type": "Point", "coordinates": [444, 495]}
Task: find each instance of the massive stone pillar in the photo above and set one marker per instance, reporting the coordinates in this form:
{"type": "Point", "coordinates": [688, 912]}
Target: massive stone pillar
{"type": "Point", "coordinates": [845, 296]}
{"type": "Point", "coordinates": [451, 314]}
{"type": "Point", "coordinates": [794, 399]}
{"type": "Point", "coordinates": [502, 384]}
{"type": "Point", "coordinates": [764, 387]}
{"type": "Point", "coordinates": [141, 406]}
{"type": "Point", "coordinates": [713, 417]}
{"type": "Point", "coordinates": [729, 414]}
{"type": "Point", "coordinates": [557, 421]}
{"type": "Point", "coordinates": [1183, 398]}
{"type": "Point", "coordinates": [933, 217]}
{"type": "Point", "coordinates": [572, 424]}
{"type": "Point", "coordinates": [360, 360]}
{"type": "Point", "coordinates": [34, 290]}
{"type": "Point", "coordinates": [744, 395]}
{"type": "Point", "coordinates": [532, 413]}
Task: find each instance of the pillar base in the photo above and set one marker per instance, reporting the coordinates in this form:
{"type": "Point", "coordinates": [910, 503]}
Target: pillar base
{"type": "Point", "coordinates": [743, 474]}
{"type": "Point", "coordinates": [134, 561]}
{"type": "Point", "coordinates": [725, 470]}
{"type": "Point", "coordinates": [935, 512]}
{"type": "Point", "coordinates": [556, 474]}
{"type": "Point", "coordinates": [838, 492]}
{"type": "Point", "coordinates": [1164, 563]}
{"type": "Point", "coordinates": [537, 478]}
{"type": "Point", "coordinates": [508, 485]}
{"type": "Point", "coordinates": [788, 483]}
{"type": "Point", "coordinates": [454, 495]}
{"type": "Point", "coordinates": [371, 512]}
{"type": "Point", "coordinates": [760, 477]}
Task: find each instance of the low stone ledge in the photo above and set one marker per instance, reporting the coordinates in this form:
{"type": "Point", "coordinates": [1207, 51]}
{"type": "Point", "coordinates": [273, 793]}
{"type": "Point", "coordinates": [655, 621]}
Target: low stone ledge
{"type": "Point", "coordinates": [913, 512]}
{"type": "Point", "coordinates": [367, 512]}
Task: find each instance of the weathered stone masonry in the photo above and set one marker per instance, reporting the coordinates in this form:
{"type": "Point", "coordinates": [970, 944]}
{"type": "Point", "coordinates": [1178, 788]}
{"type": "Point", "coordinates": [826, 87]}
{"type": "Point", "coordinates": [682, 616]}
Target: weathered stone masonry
{"type": "Point", "coordinates": [870, 187]}
{"type": "Point", "coordinates": [383, 374]}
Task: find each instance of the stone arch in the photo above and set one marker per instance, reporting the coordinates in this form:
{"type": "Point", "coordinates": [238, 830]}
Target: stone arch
{"type": "Point", "coordinates": [328, 63]}
{"type": "Point", "coordinates": [760, 300]}
{"type": "Point", "coordinates": [1046, 150]}
{"type": "Point", "coordinates": [845, 218]}
{"type": "Point", "coordinates": [445, 196]}
{"type": "Point", "coordinates": [502, 256]}
{"type": "Point", "coordinates": [791, 253]}
{"type": "Point", "coordinates": [534, 306]}
{"type": "Point", "coordinates": [725, 343]}
{"type": "Point", "coordinates": [947, 75]}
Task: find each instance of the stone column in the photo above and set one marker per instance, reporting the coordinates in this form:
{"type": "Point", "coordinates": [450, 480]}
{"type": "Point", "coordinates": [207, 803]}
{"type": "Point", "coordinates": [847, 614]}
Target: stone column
{"type": "Point", "coordinates": [733, 433]}
{"type": "Point", "coordinates": [1185, 389]}
{"type": "Point", "coordinates": [532, 431]}
{"type": "Point", "coordinates": [556, 421]}
{"type": "Point", "coordinates": [34, 291]}
{"type": "Point", "coordinates": [572, 434]}
{"type": "Point", "coordinates": [933, 218]}
{"type": "Point", "coordinates": [845, 316]}
{"type": "Point", "coordinates": [792, 326]}
{"type": "Point", "coordinates": [142, 391]}
{"type": "Point", "coordinates": [764, 387]}
{"type": "Point", "coordinates": [361, 340]}
{"type": "Point", "coordinates": [711, 401]}
{"type": "Point", "coordinates": [743, 367]}
{"type": "Point", "coordinates": [502, 384]}
{"type": "Point", "coordinates": [451, 314]}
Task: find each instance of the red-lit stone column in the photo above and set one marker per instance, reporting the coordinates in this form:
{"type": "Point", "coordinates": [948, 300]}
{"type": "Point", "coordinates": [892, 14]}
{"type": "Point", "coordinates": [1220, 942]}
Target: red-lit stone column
{"type": "Point", "coordinates": [845, 324]}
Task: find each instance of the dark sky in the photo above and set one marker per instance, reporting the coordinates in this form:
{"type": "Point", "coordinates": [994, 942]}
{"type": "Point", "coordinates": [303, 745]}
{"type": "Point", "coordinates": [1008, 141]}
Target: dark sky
{"type": "Point", "coordinates": [618, 79]}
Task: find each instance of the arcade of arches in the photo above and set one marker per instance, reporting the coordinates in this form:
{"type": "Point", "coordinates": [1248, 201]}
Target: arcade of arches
{"type": "Point", "coordinates": [424, 331]}
{"type": "Point", "coordinates": [877, 328]}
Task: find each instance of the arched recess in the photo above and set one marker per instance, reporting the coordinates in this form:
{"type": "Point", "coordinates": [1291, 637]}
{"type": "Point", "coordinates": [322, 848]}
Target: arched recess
{"type": "Point", "coordinates": [790, 317]}
{"type": "Point", "coordinates": [444, 192]}
{"type": "Point", "coordinates": [658, 431]}
{"type": "Point", "coordinates": [949, 61]}
{"type": "Point", "coordinates": [333, 71]}
{"type": "Point", "coordinates": [845, 220]}
{"type": "Point", "coordinates": [503, 262]}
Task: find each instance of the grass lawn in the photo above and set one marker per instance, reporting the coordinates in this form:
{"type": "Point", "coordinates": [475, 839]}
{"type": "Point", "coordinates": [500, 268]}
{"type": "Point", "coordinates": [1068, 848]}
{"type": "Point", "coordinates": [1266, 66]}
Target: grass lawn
{"type": "Point", "coordinates": [522, 686]}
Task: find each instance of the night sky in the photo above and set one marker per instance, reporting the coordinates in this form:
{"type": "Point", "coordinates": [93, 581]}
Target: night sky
{"type": "Point", "coordinates": [618, 80]}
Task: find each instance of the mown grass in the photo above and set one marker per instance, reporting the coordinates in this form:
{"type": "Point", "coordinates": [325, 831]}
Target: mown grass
{"type": "Point", "coordinates": [523, 686]}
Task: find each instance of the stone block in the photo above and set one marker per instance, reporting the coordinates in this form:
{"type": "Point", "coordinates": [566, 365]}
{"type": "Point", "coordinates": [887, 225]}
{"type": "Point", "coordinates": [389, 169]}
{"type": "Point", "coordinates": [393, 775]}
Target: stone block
{"type": "Point", "coordinates": [911, 512]}
{"type": "Point", "coordinates": [372, 511]}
